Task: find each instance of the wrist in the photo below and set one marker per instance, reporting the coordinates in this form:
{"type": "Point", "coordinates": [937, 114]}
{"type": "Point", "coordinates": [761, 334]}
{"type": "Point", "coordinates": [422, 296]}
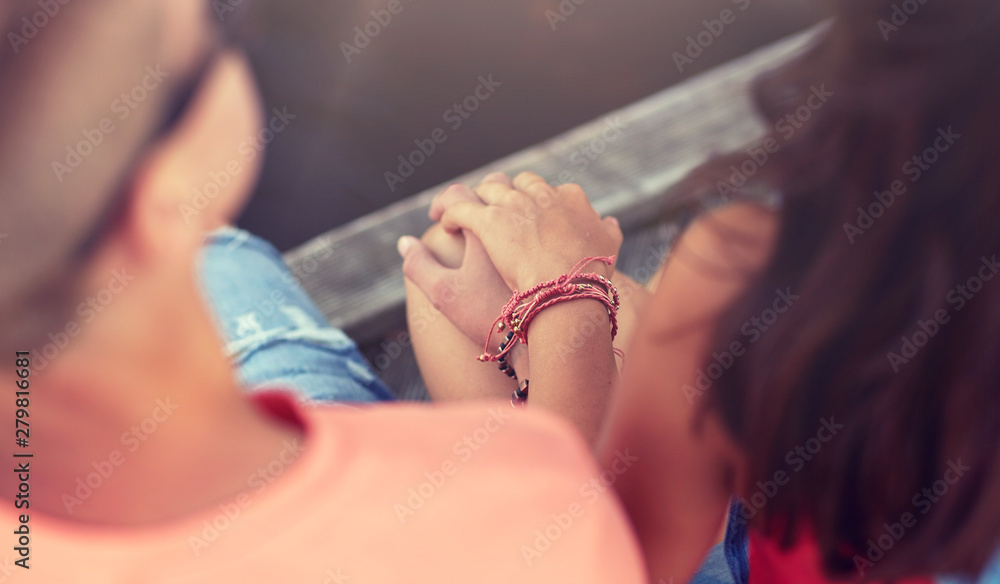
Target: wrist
{"type": "Point", "coordinates": [554, 270]}
{"type": "Point", "coordinates": [573, 324]}
{"type": "Point", "coordinates": [518, 359]}
{"type": "Point", "coordinates": [595, 303]}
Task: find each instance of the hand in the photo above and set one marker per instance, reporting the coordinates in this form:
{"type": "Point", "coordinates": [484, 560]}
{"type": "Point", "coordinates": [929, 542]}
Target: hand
{"type": "Point", "coordinates": [457, 277]}
{"type": "Point", "coordinates": [533, 232]}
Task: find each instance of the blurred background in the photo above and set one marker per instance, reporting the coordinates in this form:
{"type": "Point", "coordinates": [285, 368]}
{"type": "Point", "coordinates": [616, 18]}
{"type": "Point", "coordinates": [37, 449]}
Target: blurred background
{"type": "Point", "coordinates": [558, 63]}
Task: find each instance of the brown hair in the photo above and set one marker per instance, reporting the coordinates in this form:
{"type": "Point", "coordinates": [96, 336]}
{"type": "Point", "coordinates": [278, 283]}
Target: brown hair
{"type": "Point", "coordinates": [895, 333]}
{"type": "Point", "coordinates": [60, 77]}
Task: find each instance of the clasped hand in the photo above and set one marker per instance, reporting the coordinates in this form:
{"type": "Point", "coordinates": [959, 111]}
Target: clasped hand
{"type": "Point", "coordinates": [518, 233]}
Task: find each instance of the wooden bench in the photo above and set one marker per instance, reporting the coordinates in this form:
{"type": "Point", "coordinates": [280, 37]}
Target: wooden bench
{"type": "Point", "coordinates": [625, 162]}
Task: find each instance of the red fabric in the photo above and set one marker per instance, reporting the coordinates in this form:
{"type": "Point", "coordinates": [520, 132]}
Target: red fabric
{"type": "Point", "coordinates": [769, 564]}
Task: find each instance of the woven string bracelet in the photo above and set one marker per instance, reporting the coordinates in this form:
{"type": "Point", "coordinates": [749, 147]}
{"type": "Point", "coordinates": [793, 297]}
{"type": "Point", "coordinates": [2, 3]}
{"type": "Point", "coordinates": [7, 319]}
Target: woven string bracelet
{"type": "Point", "coordinates": [523, 307]}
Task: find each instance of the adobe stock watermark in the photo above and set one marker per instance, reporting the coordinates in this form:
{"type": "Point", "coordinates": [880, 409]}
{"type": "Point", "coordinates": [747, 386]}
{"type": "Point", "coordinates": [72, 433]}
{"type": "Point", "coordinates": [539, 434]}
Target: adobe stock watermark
{"type": "Point", "coordinates": [901, 14]}
{"type": "Point", "coordinates": [922, 503]}
{"type": "Point", "coordinates": [132, 439]}
{"type": "Point", "coordinates": [392, 349]}
{"type": "Point", "coordinates": [753, 329]}
{"type": "Point", "coordinates": [455, 117]}
{"type": "Point", "coordinates": [223, 8]}
{"type": "Point", "coordinates": [563, 12]}
{"type": "Point", "coordinates": [586, 328]}
{"type": "Point", "coordinates": [588, 153]}
{"type": "Point", "coordinates": [336, 577]}
{"type": "Point", "coordinates": [464, 450]}
{"type": "Point", "coordinates": [326, 247]}
{"type": "Point", "coordinates": [7, 569]}
{"type": "Point", "coordinates": [713, 29]}
{"type": "Point", "coordinates": [123, 107]}
{"type": "Point", "coordinates": [590, 493]}
{"type": "Point", "coordinates": [915, 168]}
{"type": "Point", "coordinates": [319, 253]}
{"type": "Point", "coordinates": [257, 483]}
{"type": "Point", "coordinates": [957, 298]}
{"type": "Point", "coordinates": [86, 312]}
{"type": "Point", "coordinates": [323, 248]}
{"type": "Point", "coordinates": [655, 258]}
{"type": "Point", "coordinates": [364, 34]}
{"type": "Point", "coordinates": [249, 324]}
{"type": "Point", "coordinates": [248, 150]}
{"type": "Point", "coordinates": [420, 320]}
{"type": "Point", "coordinates": [786, 127]}
{"type": "Point", "coordinates": [796, 459]}
{"type": "Point", "coordinates": [31, 25]}
{"type": "Point", "coordinates": [582, 157]}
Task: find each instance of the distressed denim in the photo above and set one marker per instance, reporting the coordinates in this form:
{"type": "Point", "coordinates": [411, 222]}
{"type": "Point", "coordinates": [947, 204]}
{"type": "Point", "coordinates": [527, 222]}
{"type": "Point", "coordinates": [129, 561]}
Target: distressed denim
{"type": "Point", "coordinates": [273, 332]}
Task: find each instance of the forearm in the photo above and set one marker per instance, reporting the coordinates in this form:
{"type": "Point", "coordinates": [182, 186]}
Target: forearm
{"type": "Point", "coordinates": [573, 371]}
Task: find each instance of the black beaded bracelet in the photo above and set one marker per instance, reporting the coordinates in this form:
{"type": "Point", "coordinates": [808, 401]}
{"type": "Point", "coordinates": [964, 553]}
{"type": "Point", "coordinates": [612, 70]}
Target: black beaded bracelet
{"type": "Point", "coordinates": [520, 394]}
{"type": "Point", "coordinates": [504, 365]}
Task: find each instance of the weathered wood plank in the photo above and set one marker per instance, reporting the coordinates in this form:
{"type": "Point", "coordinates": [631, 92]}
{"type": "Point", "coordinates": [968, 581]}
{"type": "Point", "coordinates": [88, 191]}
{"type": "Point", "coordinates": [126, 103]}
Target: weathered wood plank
{"type": "Point", "coordinates": [358, 283]}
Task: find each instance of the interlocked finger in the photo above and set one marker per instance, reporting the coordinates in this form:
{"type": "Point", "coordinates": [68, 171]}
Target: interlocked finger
{"type": "Point", "coordinates": [493, 193]}
{"type": "Point", "coordinates": [498, 177]}
{"type": "Point", "coordinates": [456, 193]}
{"type": "Point", "coordinates": [525, 180]}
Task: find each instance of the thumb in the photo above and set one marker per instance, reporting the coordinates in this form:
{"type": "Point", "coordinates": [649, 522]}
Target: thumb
{"type": "Point", "coordinates": [474, 250]}
{"type": "Point", "coordinates": [420, 266]}
{"type": "Point", "coordinates": [614, 230]}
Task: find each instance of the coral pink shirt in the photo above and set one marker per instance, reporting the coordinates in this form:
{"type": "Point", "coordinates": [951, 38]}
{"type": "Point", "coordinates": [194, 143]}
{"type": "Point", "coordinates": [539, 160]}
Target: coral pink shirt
{"type": "Point", "coordinates": [471, 494]}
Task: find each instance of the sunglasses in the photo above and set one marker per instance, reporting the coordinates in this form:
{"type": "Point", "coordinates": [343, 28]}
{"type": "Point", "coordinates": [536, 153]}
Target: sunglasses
{"type": "Point", "coordinates": [226, 36]}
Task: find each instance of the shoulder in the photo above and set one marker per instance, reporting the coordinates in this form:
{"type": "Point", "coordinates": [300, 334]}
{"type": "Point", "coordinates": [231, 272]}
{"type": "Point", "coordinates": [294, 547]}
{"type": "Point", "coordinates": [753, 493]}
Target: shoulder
{"type": "Point", "coordinates": [713, 263]}
{"type": "Point", "coordinates": [677, 497]}
{"type": "Point", "coordinates": [738, 238]}
{"type": "Point", "coordinates": [522, 483]}
{"type": "Point", "coordinates": [489, 430]}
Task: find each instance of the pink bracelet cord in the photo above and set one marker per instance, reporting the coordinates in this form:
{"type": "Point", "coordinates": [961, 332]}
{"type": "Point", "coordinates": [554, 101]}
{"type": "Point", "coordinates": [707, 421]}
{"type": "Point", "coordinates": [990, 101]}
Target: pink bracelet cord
{"type": "Point", "coordinates": [523, 307]}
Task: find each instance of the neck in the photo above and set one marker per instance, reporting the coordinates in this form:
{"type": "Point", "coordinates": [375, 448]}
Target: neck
{"type": "Point", "coordinates": [137, 436]}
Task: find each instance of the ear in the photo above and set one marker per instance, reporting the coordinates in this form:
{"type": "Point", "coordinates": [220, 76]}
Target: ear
{"type": "Point", "coordinates": [154, 226]}
{"type": "Point", "coordinates": [204, 171]}
{"type": "Point", "coordinates": [172, 206]}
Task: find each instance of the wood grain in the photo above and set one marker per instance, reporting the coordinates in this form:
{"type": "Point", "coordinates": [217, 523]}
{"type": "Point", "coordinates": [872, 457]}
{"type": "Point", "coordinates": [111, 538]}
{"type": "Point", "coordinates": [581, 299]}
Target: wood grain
{"type": "Point", "coordinates": [353, 273]}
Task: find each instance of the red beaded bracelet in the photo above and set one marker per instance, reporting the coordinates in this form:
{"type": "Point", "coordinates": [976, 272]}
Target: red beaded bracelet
{"type": "Point", "coordinates": [523, 307]}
